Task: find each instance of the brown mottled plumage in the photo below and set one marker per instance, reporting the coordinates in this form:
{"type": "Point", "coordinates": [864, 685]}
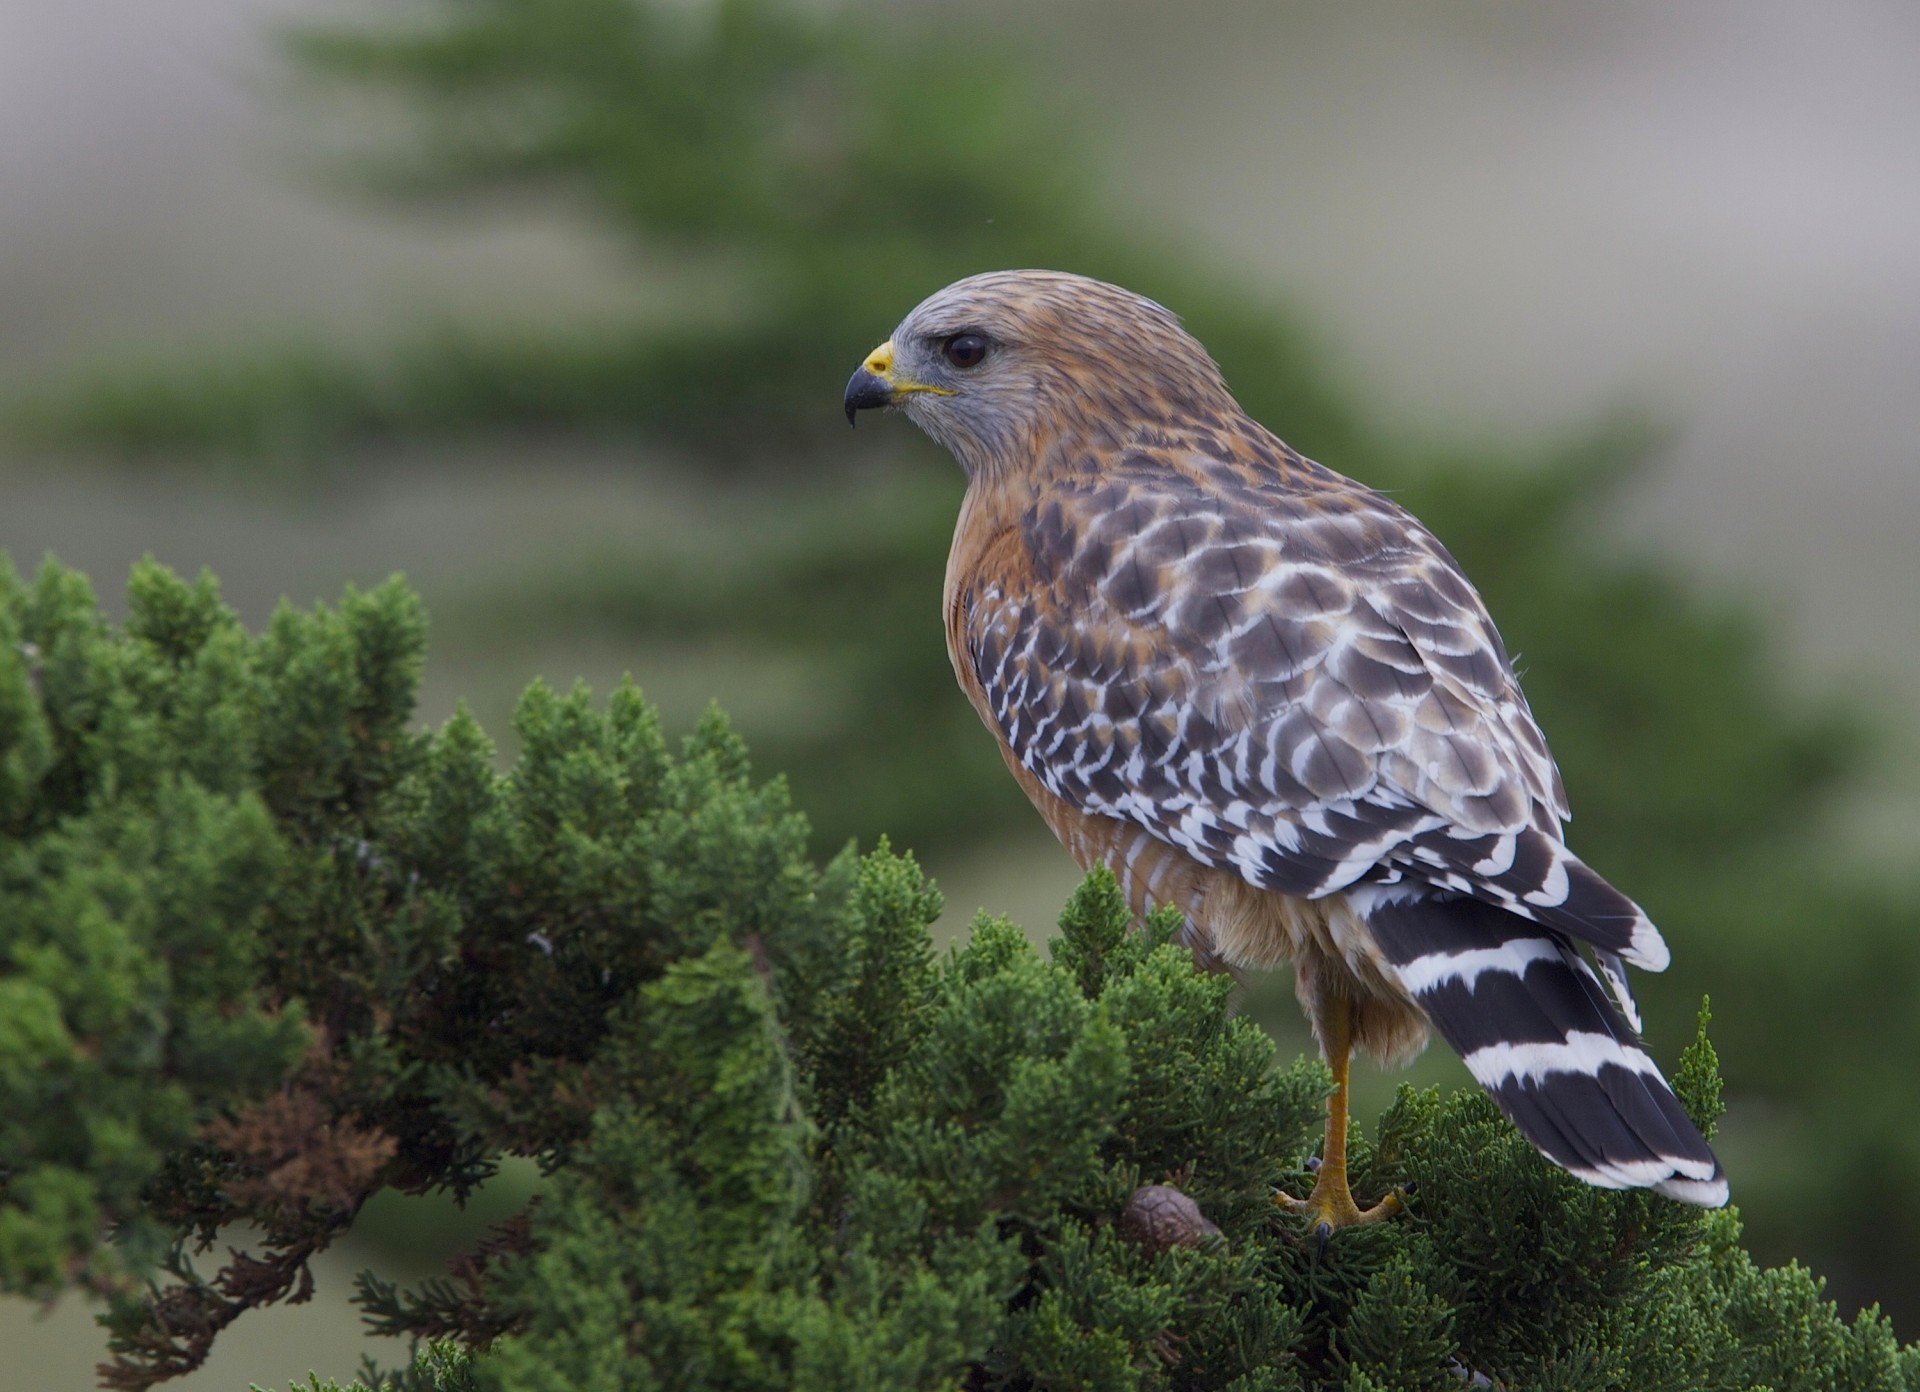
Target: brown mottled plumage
{"type": "Point", "coordinates": [1262, 692]}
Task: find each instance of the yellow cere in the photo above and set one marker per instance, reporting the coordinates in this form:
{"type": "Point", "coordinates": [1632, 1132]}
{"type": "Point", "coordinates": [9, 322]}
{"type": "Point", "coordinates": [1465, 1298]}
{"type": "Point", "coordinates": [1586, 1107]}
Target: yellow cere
{"type": "Point", "coordinates": [880, 363]}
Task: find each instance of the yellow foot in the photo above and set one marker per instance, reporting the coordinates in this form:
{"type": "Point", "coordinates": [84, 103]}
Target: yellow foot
{"type": "Point", "coordinates": [1338, 1211]}
{"type": "Point", "coordinates": [1330, 1206]}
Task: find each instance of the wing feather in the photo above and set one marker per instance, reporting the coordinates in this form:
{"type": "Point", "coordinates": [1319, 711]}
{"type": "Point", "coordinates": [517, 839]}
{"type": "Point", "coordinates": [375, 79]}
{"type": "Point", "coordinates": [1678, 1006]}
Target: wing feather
{"type": "Point", "coordinates": [1289, 676]}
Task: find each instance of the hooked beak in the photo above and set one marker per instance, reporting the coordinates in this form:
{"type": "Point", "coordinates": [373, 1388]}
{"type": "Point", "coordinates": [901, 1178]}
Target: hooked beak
{"type": "Point", "coordinates": [873, 384]}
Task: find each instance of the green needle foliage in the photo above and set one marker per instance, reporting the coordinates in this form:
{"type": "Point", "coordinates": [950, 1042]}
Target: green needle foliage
{"type": "Point", "coordinates": [267, 952]}
{"type": "Point", "coordinates": [812, 174]}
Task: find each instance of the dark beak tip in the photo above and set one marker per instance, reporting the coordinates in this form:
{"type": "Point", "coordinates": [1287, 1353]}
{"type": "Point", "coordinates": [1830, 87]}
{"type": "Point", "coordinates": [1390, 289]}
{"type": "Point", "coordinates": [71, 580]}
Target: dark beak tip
{"type": "Point", "coordinates": [865, 392]}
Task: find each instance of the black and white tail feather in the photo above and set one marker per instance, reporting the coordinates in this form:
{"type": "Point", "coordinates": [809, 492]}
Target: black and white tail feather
{"type": "Point", "coordinates": [1560, 1056]}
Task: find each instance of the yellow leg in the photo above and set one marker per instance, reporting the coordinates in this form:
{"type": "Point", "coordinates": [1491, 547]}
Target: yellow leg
{"type": "Point", "coordinates": [1330, 1206]}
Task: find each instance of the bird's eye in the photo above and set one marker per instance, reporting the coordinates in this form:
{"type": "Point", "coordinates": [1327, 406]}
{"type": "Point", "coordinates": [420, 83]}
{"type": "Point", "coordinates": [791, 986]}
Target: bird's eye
{"type": "Point", "coordinates": [965, 350]}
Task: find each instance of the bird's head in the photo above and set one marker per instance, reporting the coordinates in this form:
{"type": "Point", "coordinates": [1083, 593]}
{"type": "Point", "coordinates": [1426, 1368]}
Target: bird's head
{"type": "Point", "coordinates": [998, 366]}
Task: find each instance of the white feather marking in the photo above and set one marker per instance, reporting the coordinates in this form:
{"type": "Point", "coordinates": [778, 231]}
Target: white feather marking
{"type": "Point", "coordinates": [1297, 765]}
{"type": "Point", "coordinates": [1195, 820]}
{"type": "Point", "coordinates": [1107, 751]}
{"type": "Point", "coordinates": [1582, 1051]}
{"type": "Point", "coordinates": [1647, 948]}
{"type": "Point", "coordinates": [1553, 889]}
{"type": "Point", "coordinates": [1709, 1193]}
{"type": "Point", "coordinates": [1501, 859]}
{"type": "Point", "coordinates": [1614, 972]}
{"type": "Point", "coordinates": [1444, 968]}
{"type": "Point", "coordinates": [1365, 899]}
{"type": "Point", "coordinates": [1673, 1175]}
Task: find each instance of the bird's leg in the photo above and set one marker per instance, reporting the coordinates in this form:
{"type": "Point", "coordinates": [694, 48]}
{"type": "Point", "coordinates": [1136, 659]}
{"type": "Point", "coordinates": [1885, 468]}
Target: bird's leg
{"type": "Point", "coordinates": [1330, 1206]}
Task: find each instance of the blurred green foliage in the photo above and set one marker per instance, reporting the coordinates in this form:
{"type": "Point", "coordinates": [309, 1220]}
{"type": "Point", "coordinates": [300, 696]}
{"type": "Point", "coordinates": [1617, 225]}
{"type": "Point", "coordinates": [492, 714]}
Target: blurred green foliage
{"type": "Point", "coordinates": [786, 1145]}
{"type": "Point", "coordinates": [138, 864]}
{"type": "Point", "coordinates": [820, 172]}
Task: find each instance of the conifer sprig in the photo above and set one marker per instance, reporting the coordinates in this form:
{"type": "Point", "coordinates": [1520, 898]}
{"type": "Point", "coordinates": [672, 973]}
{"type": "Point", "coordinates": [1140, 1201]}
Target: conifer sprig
{"type": "Point", "coordinates": [267, 951]}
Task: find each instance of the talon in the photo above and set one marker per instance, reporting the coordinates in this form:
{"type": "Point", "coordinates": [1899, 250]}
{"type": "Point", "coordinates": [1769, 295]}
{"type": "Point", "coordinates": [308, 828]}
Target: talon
{"type": "Point", "coordinates": [1330, 1206]}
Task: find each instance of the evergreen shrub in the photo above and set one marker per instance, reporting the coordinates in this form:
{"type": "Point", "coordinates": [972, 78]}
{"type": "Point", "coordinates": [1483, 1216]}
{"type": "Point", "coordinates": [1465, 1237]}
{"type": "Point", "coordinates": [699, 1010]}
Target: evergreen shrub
{"type": "Point", "coordinates": [803, 173]}
{"type": "Point", "coordinates": [265, 951]}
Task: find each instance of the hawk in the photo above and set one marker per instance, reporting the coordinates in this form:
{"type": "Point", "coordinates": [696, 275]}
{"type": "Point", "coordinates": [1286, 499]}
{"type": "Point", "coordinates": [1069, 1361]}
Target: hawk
{"type": "Point", "coordinates": [1265, 694]}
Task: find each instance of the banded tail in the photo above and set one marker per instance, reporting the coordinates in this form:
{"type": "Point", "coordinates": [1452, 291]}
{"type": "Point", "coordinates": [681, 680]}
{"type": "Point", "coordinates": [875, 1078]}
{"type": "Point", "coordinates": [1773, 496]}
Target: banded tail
{"type": "Point", "coordinates": [1540, 1033]}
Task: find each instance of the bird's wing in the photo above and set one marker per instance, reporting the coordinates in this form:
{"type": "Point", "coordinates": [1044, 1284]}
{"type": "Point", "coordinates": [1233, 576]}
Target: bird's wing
{"type": "Point", "coordinates": [1288, 677]}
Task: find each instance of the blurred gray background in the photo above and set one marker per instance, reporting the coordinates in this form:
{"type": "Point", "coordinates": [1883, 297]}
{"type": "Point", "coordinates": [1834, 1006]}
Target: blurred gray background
{"type": "Point", "coordinates": [1502, 218]}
